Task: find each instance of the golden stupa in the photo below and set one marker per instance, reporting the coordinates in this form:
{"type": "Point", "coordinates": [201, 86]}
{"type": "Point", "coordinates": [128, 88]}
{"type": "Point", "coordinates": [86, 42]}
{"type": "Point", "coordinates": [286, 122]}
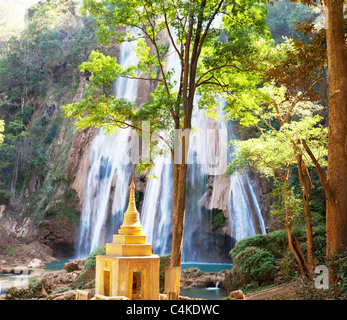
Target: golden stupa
{"type": "Point", "coordinates": [129, 268]}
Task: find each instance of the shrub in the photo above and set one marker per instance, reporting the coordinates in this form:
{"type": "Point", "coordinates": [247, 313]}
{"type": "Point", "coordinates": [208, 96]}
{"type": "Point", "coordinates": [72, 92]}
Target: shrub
{"type": "Point", "coordinates": [256, 265]}
{"type": "Point", "coordinates": [276, 243]}
{"type": "Point", "coordinates": [288, 265]}
{"type": "Point", "coordinates": [10, 251]}
{"type": "Point", "coordinates": [90, 264]}
{"type": "Point", "coordinates": [255, 241]}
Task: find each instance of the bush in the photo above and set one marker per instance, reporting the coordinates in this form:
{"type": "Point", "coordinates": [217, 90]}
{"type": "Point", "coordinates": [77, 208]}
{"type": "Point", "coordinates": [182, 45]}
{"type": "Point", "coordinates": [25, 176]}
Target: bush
{"type": "Point", "coordinates": [276, 243]}
{"type": "Point", "coordinates": [90, 264]}
{"type": "Point", "coordinates": [256, 265]}
{"type": "Point", "coordinates": [255, 241]}
{"type": "Point", "coordinates": [288, 265]}
{"type": "Point", "coordinates": [254, 258]}
{"type": "Point", "coordinates": [252, 267]}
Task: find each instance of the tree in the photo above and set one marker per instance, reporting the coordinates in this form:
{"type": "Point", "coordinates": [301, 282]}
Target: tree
{"type": "Point", "coordinates": [282, 18]}
{"type": "Point", "coordinates": [336, 216]}
{"type": "Point", "coordinates": [286, 125]}
{"type": "Point", "coordinates": [290, 127]}
{"type": "Point", "coordinates": [336, 180]}
{"type": "Point", "coordinates": [188, 26]}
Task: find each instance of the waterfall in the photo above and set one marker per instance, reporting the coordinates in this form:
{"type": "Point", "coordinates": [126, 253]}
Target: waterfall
{"type": "Point", "coordinates": [157, 206]}
{"type": "Point", "coordinates": [243, 207]}
{"type": "Point", "coordinates": [109, 173]}
{"type": "Point", "coordinates": [156, 214]}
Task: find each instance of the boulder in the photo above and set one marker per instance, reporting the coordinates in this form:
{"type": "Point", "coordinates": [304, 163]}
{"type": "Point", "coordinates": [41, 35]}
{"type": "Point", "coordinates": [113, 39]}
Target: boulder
{"type": "Point", "coordinates": [74, 265]}
{"type": "Point", "coordinates": [36, 263]}
{"type": "Point", "coordinates": [60, 278]}
{"type": "Point", "coordinates": [237, 294]}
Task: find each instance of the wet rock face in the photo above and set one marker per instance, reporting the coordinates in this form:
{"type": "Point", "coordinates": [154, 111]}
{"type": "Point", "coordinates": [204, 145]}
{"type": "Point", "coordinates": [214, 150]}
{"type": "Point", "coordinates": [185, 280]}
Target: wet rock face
{"type": "Point", "coordinates": [79, 163]}
{"type": "Point", "coordinates": [59, 236]}
{"type": "Point", "coordinates": [22, 253]}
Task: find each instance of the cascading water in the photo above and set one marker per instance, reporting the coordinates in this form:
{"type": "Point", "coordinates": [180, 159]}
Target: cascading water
{"type": "Point", "coordinates": [109, 173]}
{"type": "Point", "coordinates": [157, 206]}
{"type": "Point", "coordinates": [107, 189]}
{"type": "Point", "coordinates": [243, 206]}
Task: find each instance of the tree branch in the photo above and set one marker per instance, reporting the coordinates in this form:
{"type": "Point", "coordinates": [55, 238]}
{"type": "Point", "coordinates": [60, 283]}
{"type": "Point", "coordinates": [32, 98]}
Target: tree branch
{"type": "Point", "coordinates": [170, 35]}
{"type": "Point", "coordinates": [208, 25]}
{"type": "Point", "coordinates": [321, 173]}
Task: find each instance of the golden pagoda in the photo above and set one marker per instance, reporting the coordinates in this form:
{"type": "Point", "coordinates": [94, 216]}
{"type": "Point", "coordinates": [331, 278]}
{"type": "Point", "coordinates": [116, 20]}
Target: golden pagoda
{"type": "Point", "coordinates": [129, 268]}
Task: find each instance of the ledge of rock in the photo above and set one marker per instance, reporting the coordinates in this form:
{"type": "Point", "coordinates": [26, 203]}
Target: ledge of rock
{"type": "Point", "coordinates": [195, 278]}
{"type": "Point", "coordinates": [74, 265]}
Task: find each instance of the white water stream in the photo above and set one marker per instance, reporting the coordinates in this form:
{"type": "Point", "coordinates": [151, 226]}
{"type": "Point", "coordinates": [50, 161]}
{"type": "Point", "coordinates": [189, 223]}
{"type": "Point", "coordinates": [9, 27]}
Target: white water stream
{"type": "Point", "coordinates": [106, 194]}
{"type": "Point", "coordinates": [107, 189]}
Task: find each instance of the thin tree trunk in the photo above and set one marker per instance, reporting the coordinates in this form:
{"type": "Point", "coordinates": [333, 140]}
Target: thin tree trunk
{"type": "Point", "coordinates": [306, 187]}
{"type": "Point", "coordinates": [178, 216]}
{"type": "Point", "coordinates": [336, 215]}
{"type": "Point", "coordinates": [292, 242]}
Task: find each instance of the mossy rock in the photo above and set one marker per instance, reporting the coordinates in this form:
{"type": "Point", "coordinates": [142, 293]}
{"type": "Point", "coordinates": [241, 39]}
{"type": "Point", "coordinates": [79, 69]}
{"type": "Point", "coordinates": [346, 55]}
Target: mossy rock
{"type": "Point", "coordinates": [85, 276]}
{"type": "Point", "coordinates": [276, 242]}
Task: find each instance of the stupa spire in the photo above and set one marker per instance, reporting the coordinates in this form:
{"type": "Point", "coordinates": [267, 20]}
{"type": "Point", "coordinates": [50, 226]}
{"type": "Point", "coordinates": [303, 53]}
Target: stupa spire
{"type": "Point", "coordinates": [131, 220]}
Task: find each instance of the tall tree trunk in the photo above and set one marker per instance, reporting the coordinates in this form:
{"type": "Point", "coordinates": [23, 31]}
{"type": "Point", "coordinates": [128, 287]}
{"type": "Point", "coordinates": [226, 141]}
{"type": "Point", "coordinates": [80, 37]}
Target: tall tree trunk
{"type": "Point", "coordinates": [178, 211]}
{"type": "Point", "coordinates": [336, 215]}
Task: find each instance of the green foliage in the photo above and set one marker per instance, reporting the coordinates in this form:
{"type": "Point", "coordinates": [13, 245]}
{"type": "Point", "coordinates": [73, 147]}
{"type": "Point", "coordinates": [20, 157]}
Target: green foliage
{"type": "Point", "coordinates": [210, 58]}
{"type": "Point", "coordinates": [339, 268]}
{"type": "Point", "coordinates": [49, 46]}
{"type": "Point", "coordinates": [60, 210]}
{"type": "Point", "coordinates": [283, 15]}
{"type": "Point", "coordinates": [51, 133]}
{"type": "Point", "coordinates": [271, 250]}
{"type": "Point", "coordinates": [218, 220]}
{"type": "Point", "coordinates": [47, 14]}
{"type": "Point", "coordinates": [10, 251]}
{"type": "Point", "coordinates": [292, 204]}
{"type": "Point", "coordinates": [275, 243]}
{"type": "Point", "coordinates": [41, 52]}
{"type": "Point", "coordinates": [43, 58]}
{"type": "Point", "coordinates": [254, 267]}
{"type": "Point", "coordinates": [20, 70]}
{"type": "Point", "coordinates": [90, 264]}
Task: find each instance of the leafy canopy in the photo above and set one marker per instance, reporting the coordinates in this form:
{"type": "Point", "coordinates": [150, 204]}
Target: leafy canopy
{"type": "Point", "coordinates": [207, 52]}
